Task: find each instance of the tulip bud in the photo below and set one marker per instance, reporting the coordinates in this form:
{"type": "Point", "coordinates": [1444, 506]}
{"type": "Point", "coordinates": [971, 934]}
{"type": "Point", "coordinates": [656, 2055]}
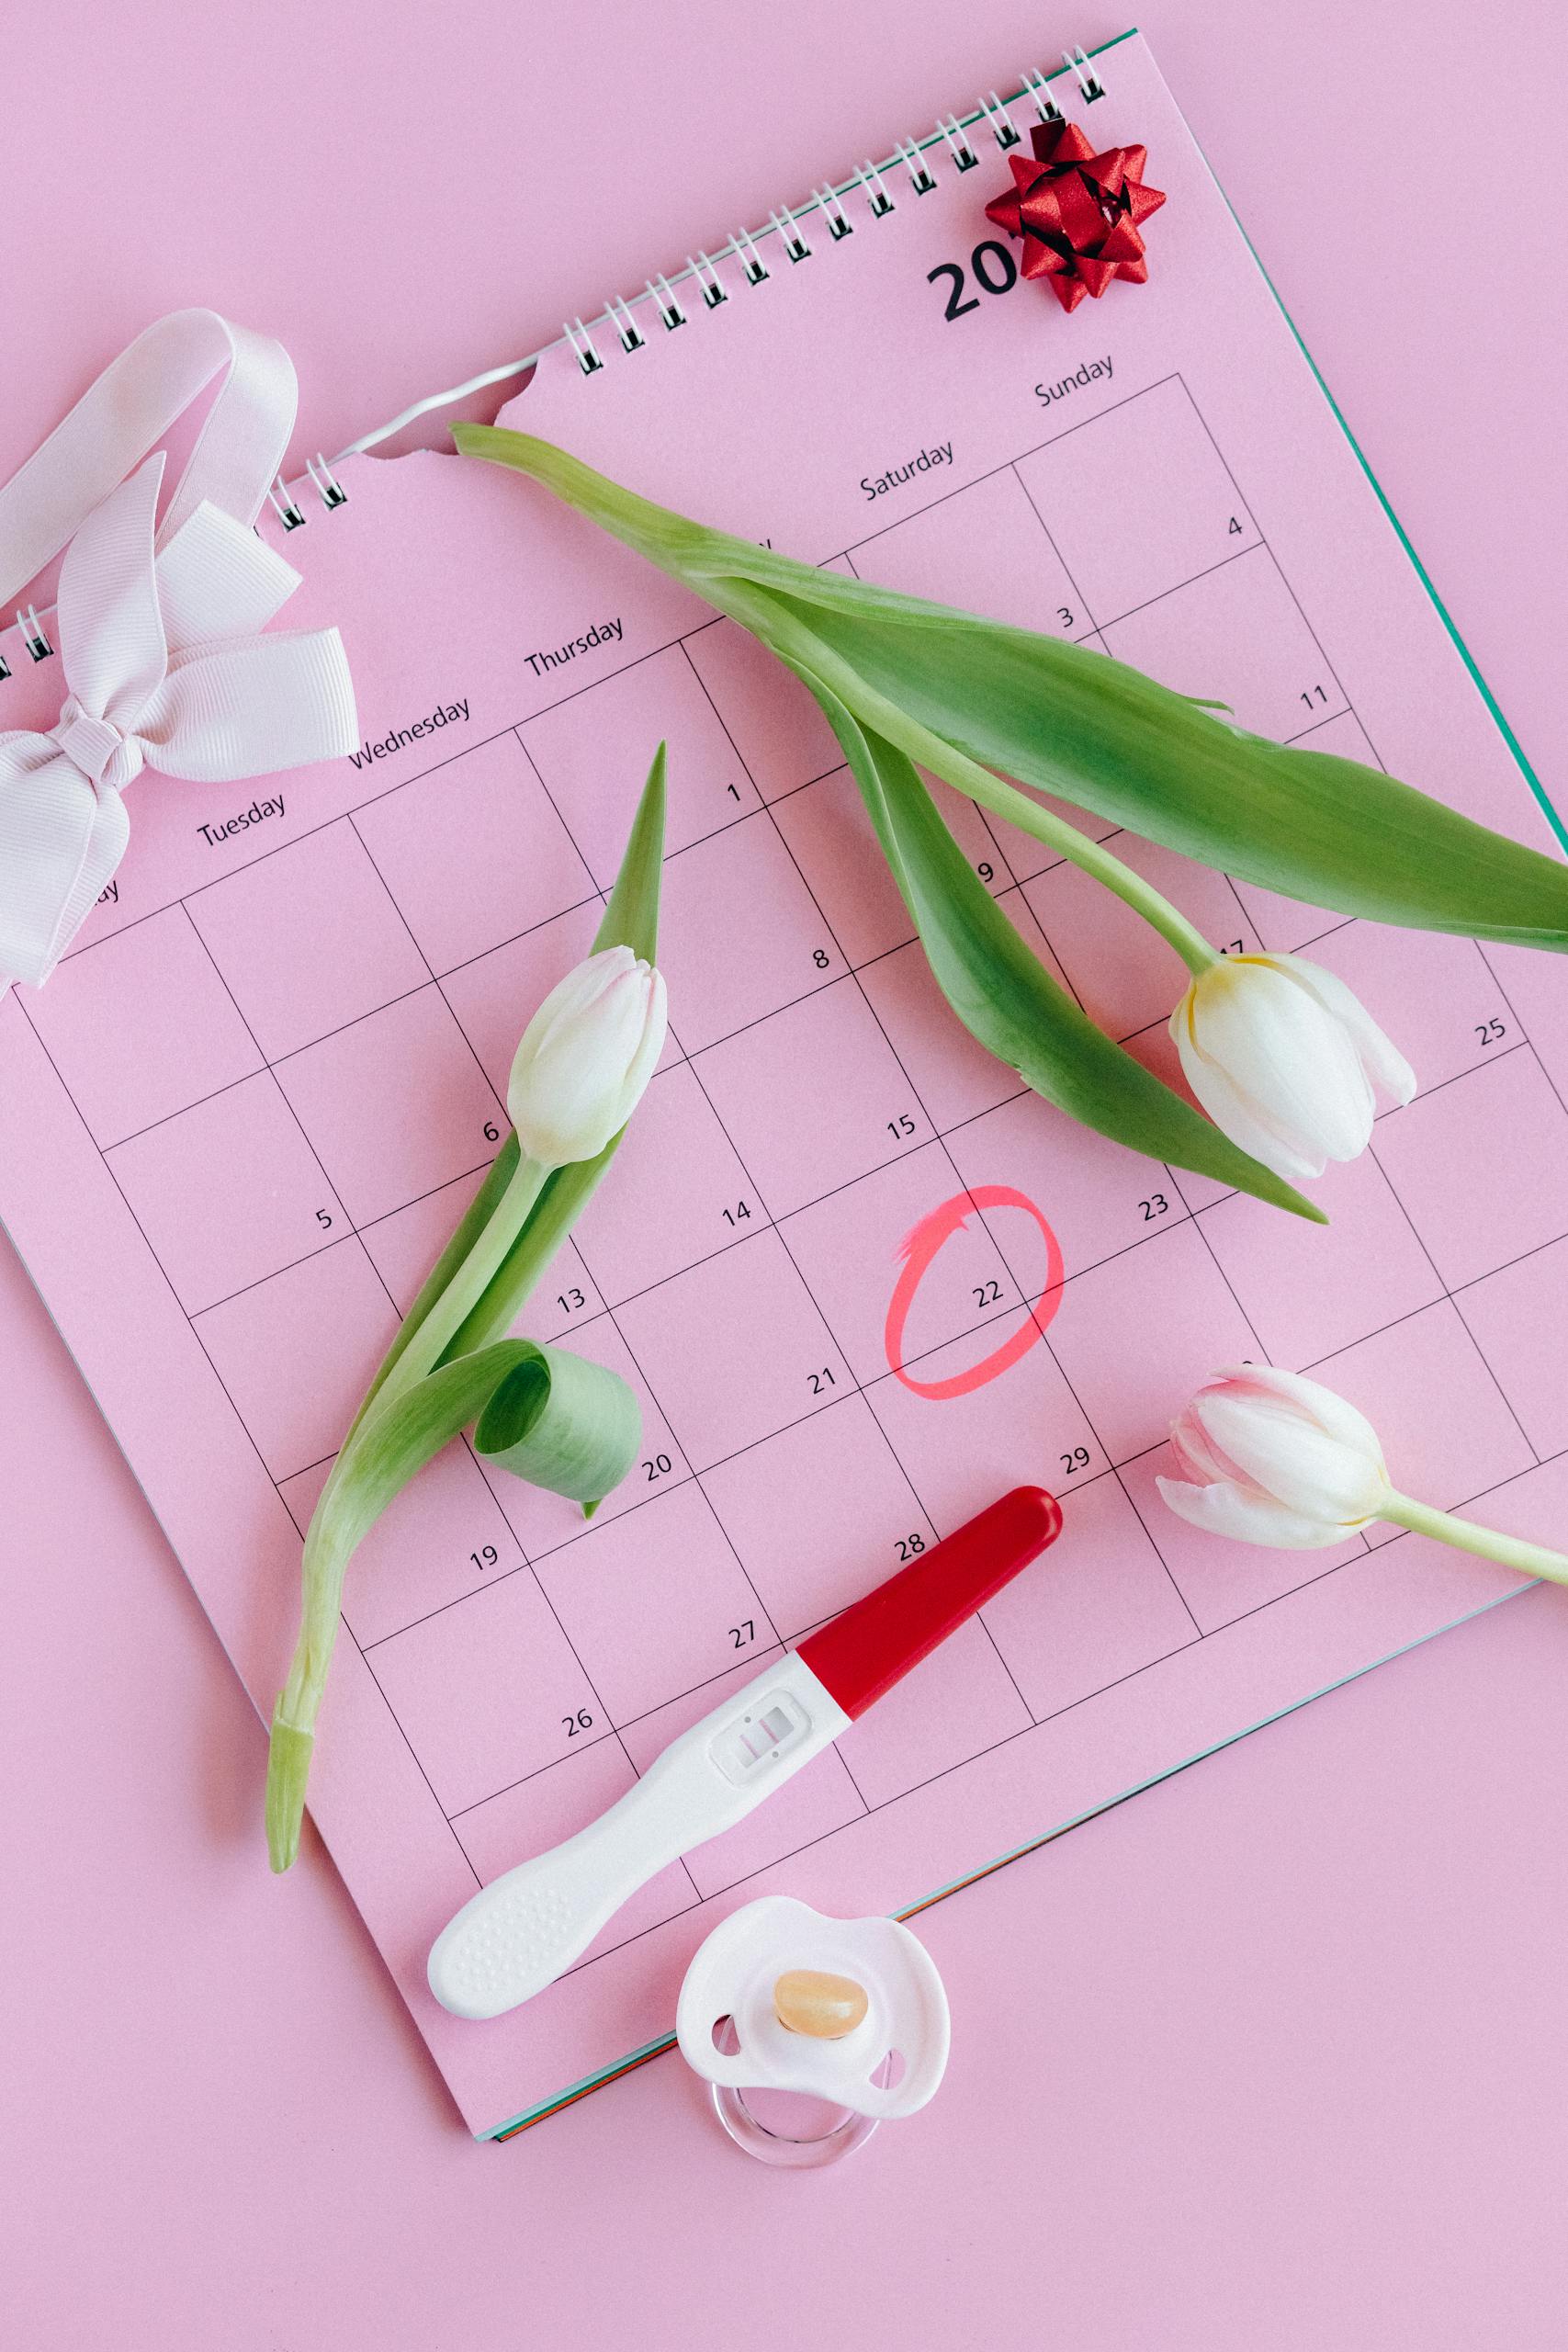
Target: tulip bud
{"type": "Point", "coordinates": [585, 1058]}
{"type": "Point", "coordinates": [1272, 1458]}
{"type": "Point", "coordinates": [1286, 1060]}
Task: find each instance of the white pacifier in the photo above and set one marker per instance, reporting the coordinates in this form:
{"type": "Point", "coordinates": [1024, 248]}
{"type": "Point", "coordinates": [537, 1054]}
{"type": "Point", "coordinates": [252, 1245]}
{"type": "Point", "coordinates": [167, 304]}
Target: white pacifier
{"type": "Point", "coordinates": [848, 2016]}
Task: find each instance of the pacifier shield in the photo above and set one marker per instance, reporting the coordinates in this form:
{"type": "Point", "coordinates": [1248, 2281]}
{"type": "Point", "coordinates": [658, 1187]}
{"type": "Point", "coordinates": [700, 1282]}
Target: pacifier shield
{"type": "Point", "coordinates": [781, 1997]}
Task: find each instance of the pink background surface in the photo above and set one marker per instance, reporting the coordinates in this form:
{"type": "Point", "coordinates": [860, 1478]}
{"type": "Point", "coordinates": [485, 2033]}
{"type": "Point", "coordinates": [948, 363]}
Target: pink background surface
{"type": "Point", "coordinates": [1274, 2056]}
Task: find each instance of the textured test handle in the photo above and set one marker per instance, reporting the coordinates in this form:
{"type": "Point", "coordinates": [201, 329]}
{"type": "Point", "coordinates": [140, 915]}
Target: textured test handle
{"type": "Point", "coordinates": [523, 1930]}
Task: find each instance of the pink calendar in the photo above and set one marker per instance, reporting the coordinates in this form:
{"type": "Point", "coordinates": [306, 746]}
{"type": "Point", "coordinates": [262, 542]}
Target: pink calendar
{"type": "Point", "coordinates": [244, 1114]}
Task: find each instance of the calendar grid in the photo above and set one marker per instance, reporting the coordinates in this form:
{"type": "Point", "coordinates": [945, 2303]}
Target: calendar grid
{"type": "Point", "coordinates": [251, 1441]}
{"type": "Point", "coordinates": [289, 1062]}
{"type": "Point", "coordinates": [694, 1477]}
{"type": "Point", "coordinates": [919, 1499]}
{"type": "Point", "coordinates": [1030, 1305]}
{"type": "Point", "coordinates": [391, 1302]}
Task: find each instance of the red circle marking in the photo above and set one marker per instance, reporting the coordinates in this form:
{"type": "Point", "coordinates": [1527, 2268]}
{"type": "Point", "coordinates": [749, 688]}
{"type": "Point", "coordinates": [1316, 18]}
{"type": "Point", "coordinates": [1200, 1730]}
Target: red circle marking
{"type": "Point", "coordinates": [920, 1248]}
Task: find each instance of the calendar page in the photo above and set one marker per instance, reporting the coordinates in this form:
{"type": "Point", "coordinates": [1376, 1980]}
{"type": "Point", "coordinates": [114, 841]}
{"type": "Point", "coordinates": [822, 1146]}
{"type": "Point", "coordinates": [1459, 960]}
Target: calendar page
{"type": "Point", "coordinates": [245, 1114]}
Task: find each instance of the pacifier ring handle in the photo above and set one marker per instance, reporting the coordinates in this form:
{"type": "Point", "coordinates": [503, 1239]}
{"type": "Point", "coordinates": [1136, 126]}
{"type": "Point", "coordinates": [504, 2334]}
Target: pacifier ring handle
{"type": "Point", "coordinates": [780, 2148]}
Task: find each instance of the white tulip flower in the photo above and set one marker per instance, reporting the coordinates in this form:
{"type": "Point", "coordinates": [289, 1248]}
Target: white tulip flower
{"type": "Point", "coordinates": [1270, 1457]}
{"type": "Point", "coordinates": [1286, 1060]}
{"type": "Point", "coordinates": [585, 1058]}
{"type": "Point", "coordinates": [1273, 1458]}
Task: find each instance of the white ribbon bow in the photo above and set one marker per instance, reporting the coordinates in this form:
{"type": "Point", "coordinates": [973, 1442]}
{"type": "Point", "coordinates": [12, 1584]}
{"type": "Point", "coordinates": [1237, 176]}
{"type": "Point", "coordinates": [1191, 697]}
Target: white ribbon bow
{"type": "Point", "coordinates": [166, 668]}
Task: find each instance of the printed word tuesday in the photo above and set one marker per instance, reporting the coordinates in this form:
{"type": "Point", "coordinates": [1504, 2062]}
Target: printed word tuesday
{"type": "Point", "coordinates": [256, 814]}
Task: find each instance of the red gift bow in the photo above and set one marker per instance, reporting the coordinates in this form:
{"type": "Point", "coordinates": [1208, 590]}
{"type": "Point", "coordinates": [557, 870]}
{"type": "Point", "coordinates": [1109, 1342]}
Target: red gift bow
{"type": "Point", "coordinates": [1078, 212]}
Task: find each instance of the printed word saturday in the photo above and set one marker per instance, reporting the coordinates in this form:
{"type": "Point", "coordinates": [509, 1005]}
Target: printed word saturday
{"type": "Point", "coordinates": [877, 485]}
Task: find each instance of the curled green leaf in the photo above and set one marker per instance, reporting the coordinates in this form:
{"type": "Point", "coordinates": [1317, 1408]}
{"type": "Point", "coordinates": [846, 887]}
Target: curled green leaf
{"type": "Point", "coordinates": [561, 1421]}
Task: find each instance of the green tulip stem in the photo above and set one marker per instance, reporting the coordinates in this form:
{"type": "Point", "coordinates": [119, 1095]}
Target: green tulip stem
{"type": "Point", "coordinates": [334, 1533]}
{"type": "Point", "coordinates": [468, 1283]}
{"type": "Point", "coordinates": [1508, 1551]}
{"type": "Point", "coordinates": [294, 1717]}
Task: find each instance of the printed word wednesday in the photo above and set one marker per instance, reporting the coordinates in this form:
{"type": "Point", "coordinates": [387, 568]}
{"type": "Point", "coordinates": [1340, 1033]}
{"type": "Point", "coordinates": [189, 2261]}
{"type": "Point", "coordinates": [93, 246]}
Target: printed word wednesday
{"type": "Point", "coordinates": [402, 737]}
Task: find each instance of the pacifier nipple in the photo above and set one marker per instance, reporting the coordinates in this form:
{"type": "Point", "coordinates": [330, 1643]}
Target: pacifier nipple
{"type": "Point", "coordinates": [823, 2007]}
{"type": "Point", "coordinates": [840, 2023]}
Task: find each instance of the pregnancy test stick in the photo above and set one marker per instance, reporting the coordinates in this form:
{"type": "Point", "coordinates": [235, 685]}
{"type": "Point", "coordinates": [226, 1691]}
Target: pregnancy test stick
{"type": "Point", "coordinates": [521, 1932]}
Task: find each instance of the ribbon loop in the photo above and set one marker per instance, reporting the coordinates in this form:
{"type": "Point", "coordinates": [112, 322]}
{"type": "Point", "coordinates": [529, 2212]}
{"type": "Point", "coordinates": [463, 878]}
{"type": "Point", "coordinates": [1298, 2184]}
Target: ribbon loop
{"type": "Point", "coordinates": [159, 639]}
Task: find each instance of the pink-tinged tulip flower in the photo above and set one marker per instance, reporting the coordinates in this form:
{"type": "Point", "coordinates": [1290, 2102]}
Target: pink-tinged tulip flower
{"type": "Point", "coordinates": [585, 1058]}
{"type": "Point", "coordinates": [1286, 1060]}
{"type": "Point", "coordinates": [1273, 1458]}
{"type": "Point", "coordinates": [1270, 1457]}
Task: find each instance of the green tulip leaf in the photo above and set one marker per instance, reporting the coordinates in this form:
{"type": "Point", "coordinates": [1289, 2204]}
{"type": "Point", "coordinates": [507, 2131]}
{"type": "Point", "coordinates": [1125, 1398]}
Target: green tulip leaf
{"type": "Point", "coordinates": [1007, 999]}
{"type": "Point", "coordinates": [630, 920]}
{"type": "Point", "coordinates": [1092, 731]}
{"type": "Point", "coordinates": [541, 1413]}
{"type": "Point", "coordinates": [545, 1415]}
{"type": "Point", "coordinates": [488, 1197]}
{"type": "Point", "coordinates": [561, 1421]}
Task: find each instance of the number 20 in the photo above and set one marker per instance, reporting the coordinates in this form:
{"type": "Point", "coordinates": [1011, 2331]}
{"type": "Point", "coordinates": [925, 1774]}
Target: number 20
{"type": "Point", "coordinates": [995, 270]}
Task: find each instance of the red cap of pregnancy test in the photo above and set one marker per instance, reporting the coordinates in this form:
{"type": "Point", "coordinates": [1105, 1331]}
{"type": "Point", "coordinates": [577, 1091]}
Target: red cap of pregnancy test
{"type": "Point", "coordinates": [863, 1652]}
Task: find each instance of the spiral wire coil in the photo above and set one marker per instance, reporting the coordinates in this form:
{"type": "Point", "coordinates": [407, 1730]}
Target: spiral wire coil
{"type": "Point", "coordinates": [709, 282]}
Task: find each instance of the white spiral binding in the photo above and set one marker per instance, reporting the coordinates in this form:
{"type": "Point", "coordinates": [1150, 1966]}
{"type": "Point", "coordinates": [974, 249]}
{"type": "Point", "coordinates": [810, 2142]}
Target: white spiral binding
{"type": "Point", "coordinates": [329, 488]}
{"type": "Point", "coordinates": [710, 285]}
{"type": "Point", "coordinates": [1039, 89]}
{"type": "Point", "coordinates": [866, 189]}
{"type": "Point", "coordinates": [1004, 130]}
{"type": "Point", "coordinates": [625, 326]}
{"type": "Point", "coordinates": [787, 230]}
{"type": "Point", "coordinates": [964, 156]}
{"type": "Point", "coordinates": [581, 342]}
{"type": "Point", "coordinates": [33, 638]}
{"type": "Point", "coordinates": [32, 634]}
{"type": "Point", "coordinates": [878, 195]}
{"type": "Point", "coordinates": [662, 295]}
{"type": "Point", "coordinates": [914, 163]}
{"type": "Point", "coordinates": [753, 267]}
{"type": "Point", "coordinates": [285, 505]}
{"type": "Point", "coordinates": [1088, 80]}
{"type": "Point", "coordinates": [831, 204]}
